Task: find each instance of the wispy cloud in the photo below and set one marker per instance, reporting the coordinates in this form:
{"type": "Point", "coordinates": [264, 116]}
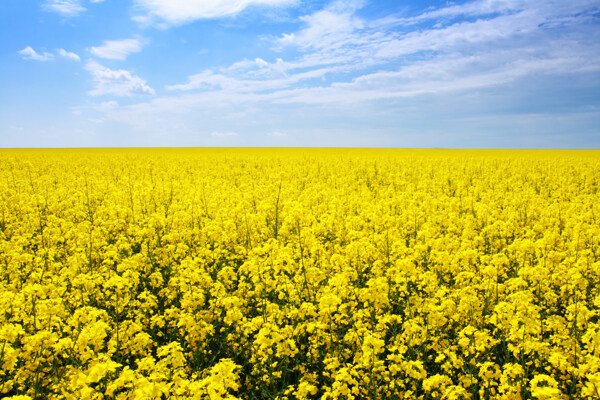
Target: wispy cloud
{"type": "Point", "coordinates": [66, 8]}
{"type": "Point", "coordinates": [343, 61]}
{"type": "Point", "coordinates": [117, 49]}
{"type": "Point", "coordinates": [68, 54]}
{"type": "Point", "coordinates": [333, 26]}
{"type": "Point", "coordinates": [510, 40]}
{"type": "Point", "coordinates": [116, 82]}
{"type": "Point", "coordinates": [30, 54]}
{"type": "Point", "coordinates": [263, 78]}
{"type": "Point", "coordinates": [491, 7]}
{"type": "Point", "coordinates": [180, 12]}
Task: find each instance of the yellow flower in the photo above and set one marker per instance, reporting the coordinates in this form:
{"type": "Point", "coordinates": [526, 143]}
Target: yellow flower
{"type": "Point", "coordinates": [544, 387]}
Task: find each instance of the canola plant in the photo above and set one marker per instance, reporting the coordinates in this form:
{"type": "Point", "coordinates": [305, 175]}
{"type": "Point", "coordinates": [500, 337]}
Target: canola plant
{"type": "Point", "coordinates": [299, 274]}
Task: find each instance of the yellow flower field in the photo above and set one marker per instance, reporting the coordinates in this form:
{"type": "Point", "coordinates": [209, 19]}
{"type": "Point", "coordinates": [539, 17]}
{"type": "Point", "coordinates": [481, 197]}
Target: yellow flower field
{"type": "Point", "coordinates": [299, 274]}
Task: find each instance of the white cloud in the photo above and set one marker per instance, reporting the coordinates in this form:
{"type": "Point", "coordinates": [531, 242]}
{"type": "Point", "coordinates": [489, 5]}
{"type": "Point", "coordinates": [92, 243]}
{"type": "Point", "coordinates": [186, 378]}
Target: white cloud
{"type": "Point", "coordinates": [453, 57]}
{"type": "Point", "coordinates": [30, 54]}
{"type": "Point", "coordinates": [348, 64]}
{"type": "Point", "coordinates": [255, 81]}
{"type": "Point", "coordinates": [223, 134]}
{"type": "Point", "coordinates": [175, 12]}
{"type": "Point", "coordinates": [337, 36]}
{"type": "Point", "coordinates": [68, 54]}
{"type": "Point", "coordinates": [332, 26]}
{"type": "Point", "coordinates": [117, 49]}
{"type": "Point", "coordinates": [67, 8]}
{"type": "Point", "coordinates": [437, 76]}
{"type": "Point", "coordinates": [489, 7]}
{"type": "Point", "coordinates": [116, 82]}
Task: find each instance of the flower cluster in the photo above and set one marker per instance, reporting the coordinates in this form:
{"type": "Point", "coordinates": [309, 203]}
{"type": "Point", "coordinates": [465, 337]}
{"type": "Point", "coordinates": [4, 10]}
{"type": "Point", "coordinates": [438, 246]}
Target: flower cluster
{"type": "Point", "coordinates": [299, 274]}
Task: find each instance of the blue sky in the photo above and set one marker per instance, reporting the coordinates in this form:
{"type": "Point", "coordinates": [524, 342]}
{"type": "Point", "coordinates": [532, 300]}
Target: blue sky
{"type": "Point", "coordinates": [466, 74]}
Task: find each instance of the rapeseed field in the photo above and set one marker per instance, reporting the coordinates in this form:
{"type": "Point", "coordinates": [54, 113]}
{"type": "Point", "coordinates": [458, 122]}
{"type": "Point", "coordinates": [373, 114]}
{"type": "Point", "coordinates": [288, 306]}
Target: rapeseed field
{"type": "Point", "coordinates": [299, 274]}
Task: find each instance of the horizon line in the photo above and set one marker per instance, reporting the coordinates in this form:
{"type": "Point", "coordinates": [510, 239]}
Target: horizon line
{"type": "Point", "coordinates": [291, 147]}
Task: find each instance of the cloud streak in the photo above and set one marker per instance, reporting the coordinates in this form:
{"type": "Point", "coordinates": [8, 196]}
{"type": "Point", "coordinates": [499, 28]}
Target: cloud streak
{"type": "Point", "coordinates": [119, 83]}
{"type": "Point", "coordinates": [339, 62]}
{"type": "Point", "coordinates": [68, 54]}
{"type": "Point", "coordinates": [117, 49]}
{"type": "Point", "coordinates": [462, 55]}
{"type": "Point", "coordinates": [66, 8]}
{"type": "Point", "coordinates": [179, 12]}
{"type": "Point", "coordinates": [30, 54]}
